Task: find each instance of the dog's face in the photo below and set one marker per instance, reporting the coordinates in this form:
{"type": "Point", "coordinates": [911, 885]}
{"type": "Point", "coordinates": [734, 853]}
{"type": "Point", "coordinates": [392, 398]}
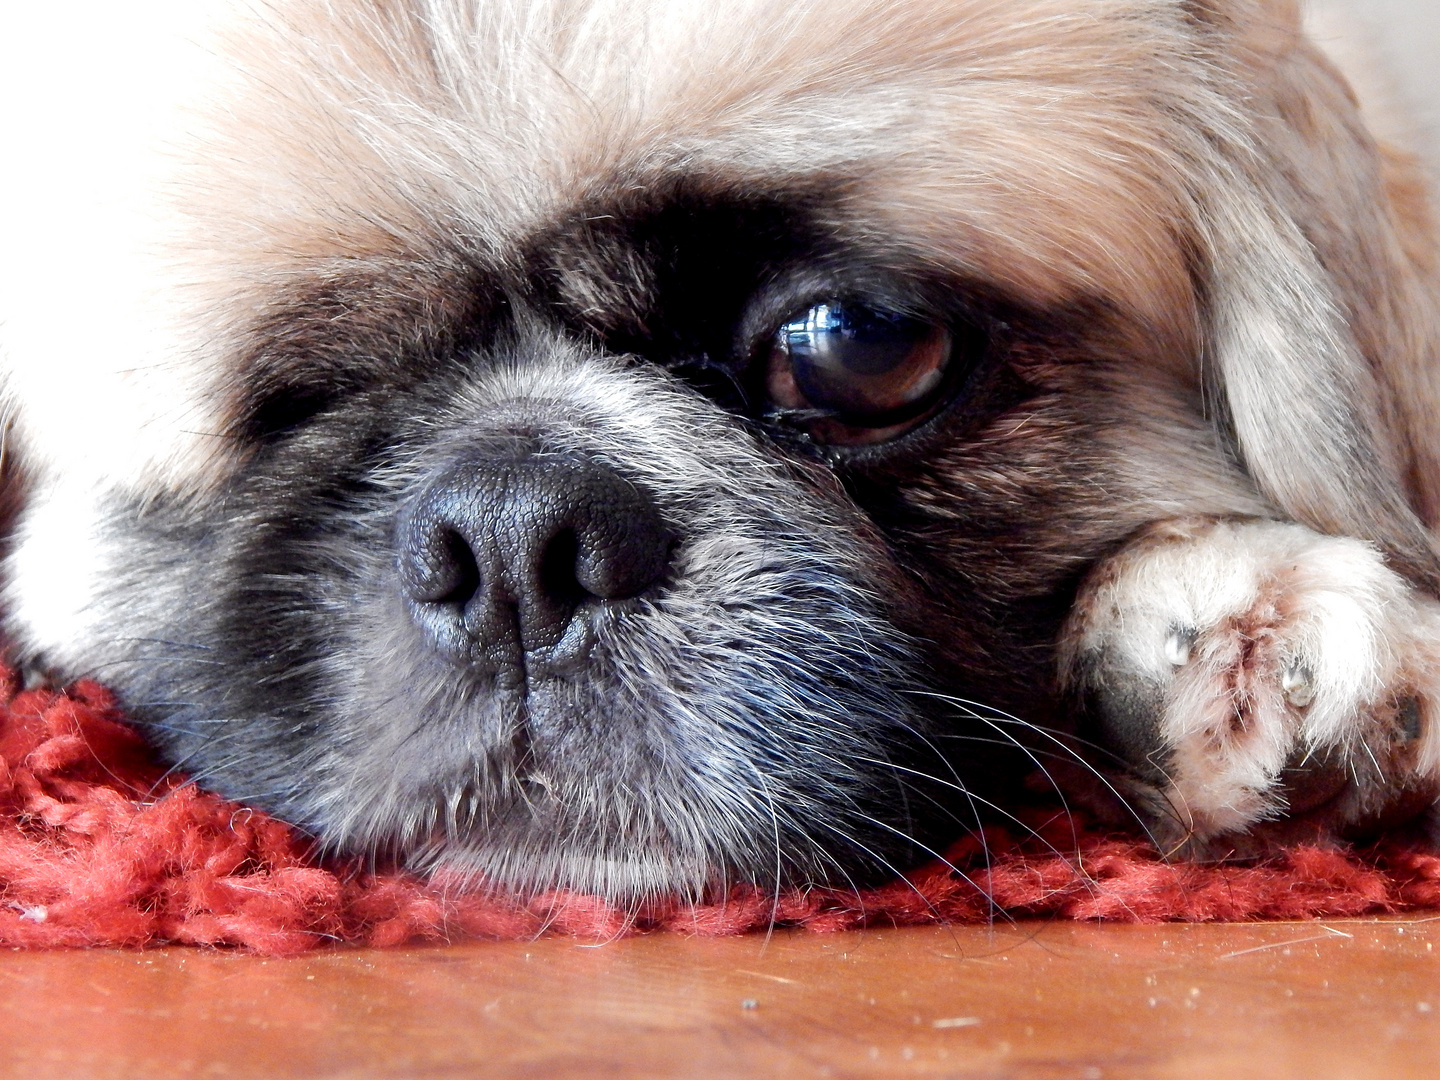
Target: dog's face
{"type": "Point", "coordinates": [640, 446]}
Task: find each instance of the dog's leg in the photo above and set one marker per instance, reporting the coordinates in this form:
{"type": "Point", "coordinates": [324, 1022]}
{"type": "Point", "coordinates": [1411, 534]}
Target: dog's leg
{"type": "Point", "coordinates": [1246, 671]}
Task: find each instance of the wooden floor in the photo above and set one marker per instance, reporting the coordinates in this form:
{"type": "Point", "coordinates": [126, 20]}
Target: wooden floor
{"type": "Point", "coordinates": [1314, 1001]}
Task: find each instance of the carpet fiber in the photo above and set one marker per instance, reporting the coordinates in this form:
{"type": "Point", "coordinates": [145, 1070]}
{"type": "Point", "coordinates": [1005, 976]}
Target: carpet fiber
{"type": "Point", "coordinates": [99, 846]}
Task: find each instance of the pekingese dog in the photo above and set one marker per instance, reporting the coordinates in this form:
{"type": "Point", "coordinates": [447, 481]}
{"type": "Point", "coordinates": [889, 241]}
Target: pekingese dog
{"type": "Point", "coordinates": [645, 446]}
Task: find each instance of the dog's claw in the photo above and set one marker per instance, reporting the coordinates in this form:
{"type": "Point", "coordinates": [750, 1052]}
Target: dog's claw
{"type": "Point", "coordinates": [1299, 685]}
{"type": "Point", "coordinates": [1178, 644]}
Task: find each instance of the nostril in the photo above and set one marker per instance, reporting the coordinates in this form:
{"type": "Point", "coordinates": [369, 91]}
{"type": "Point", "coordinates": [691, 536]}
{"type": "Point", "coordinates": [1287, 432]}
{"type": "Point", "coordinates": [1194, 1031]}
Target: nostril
{"type": "Point", "coordinates": [557, 571]}
{"type": "Point", "coordinates": [624, 547]}
{"type": "Point", "coordinates": [441, 568]}
{"type": "Point", "coordinates": [462, 577]}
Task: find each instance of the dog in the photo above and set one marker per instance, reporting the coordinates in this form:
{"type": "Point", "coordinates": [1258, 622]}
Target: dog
{"type": "Point", "coordinates": [647, 447]}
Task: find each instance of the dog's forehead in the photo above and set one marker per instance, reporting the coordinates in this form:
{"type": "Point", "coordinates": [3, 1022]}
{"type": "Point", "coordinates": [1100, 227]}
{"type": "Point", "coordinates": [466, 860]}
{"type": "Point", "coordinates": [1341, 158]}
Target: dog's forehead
{"type": "Point", "coordinates": [1003, 134]}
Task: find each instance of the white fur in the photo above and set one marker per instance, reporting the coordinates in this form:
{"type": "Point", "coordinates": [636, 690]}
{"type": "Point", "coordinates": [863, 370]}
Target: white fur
{"type": "Point", "coordinates": [59, 571]}
{"type": "Point", "coordinates": [113, 386]}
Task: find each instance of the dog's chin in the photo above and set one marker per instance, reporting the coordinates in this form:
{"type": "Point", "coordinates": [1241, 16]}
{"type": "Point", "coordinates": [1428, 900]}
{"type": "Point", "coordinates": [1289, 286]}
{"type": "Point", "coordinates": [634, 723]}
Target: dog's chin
{"type": "Point", "coordinates": [539, 844]}
{"type": "Point", "coordinates": [632, 879]}
{"type": "Point", "coordinates": [647, 872]}
{"type": "Point", "coordinates": [648, 837]}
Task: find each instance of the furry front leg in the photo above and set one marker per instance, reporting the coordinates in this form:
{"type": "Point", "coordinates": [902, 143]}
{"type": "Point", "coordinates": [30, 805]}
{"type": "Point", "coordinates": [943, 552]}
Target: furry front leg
{"type": "Point", "coordinates": [1250, 671]}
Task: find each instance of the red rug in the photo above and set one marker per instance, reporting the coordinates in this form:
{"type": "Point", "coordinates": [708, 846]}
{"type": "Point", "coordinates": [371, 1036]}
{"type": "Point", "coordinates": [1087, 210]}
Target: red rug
{"type": "Point", "coordinates": [99, 847]}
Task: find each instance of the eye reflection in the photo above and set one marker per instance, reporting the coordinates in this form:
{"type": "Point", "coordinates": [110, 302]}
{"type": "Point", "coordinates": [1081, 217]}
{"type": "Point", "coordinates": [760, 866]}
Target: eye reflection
{"type": "Point", "coordinates": [862, 367]}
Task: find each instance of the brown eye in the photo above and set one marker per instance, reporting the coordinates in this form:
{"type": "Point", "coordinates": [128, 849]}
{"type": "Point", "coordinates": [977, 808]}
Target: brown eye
{"type": "Point", "coordinates": [859, 368]}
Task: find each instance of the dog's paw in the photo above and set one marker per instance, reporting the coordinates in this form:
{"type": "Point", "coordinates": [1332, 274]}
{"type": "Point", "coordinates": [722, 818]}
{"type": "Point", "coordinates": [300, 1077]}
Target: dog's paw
{"type": "Point", "coordinates": [1248, 670]}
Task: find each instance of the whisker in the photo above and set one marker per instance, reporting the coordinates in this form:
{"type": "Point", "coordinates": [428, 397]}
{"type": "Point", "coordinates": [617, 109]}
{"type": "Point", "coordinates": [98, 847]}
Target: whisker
{"type": "Point", "coordinates": [779, 855]}
{"type": "Point", "coordinates": [999, 717]}
{"type": "Point", "coordinates": [892, 868]}
{"type": "Point", "coordinates": [996, 807]}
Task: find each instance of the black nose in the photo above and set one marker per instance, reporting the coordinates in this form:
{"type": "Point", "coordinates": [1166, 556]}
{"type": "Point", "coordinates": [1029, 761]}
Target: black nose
{"type": "Point", "coordinates": [497, 555]}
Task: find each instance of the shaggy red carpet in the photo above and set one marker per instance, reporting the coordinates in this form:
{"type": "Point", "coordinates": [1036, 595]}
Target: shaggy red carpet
{"type": "Point", "coordinates": [99, 847]}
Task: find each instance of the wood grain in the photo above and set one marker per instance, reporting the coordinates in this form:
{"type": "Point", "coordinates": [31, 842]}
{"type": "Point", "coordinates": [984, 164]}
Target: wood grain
{"type": "Point", "coordinates": [1341, 999]}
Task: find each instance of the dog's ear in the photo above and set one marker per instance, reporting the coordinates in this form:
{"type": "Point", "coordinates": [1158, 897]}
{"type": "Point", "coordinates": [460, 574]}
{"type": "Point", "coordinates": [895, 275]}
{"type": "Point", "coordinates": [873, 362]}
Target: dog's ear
{"type": "Point", "coordinates": [1321, 347]}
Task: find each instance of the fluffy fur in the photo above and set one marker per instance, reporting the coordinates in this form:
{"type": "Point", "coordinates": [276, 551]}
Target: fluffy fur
{"type": "Point", "coordinates": [278, 261]}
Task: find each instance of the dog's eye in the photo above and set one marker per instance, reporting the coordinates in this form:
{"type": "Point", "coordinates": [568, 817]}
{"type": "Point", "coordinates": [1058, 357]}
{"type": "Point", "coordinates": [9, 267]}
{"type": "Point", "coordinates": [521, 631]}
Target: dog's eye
{"type": "Point", "coordinates": [855, 374]}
